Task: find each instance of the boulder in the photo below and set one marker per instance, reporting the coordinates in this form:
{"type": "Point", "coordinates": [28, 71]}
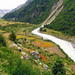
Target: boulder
{"type": "Point", "coordinates": [46, 67]}
{"type": "Point", "coordinates": [21, 57]}
{"type": "Point", "coordinates": [19, 49]}
{"type": "Point", "coordinates": [23, 53]}
{"type": "Point", "coordinates": [26, 57]}
{"type": "Point", "coordinates": [11, 46]}
{"type": "Point", "coordinates": [35, 54]}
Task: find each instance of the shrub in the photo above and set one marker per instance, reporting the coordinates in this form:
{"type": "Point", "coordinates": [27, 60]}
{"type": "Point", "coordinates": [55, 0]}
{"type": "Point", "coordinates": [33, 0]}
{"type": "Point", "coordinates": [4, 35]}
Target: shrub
{"type": "Point", "coordinates": [2, 40]}
{"type": "Point", "coordinates": [40, 29]}
{"type": "Point", "coordinates": [25, 69]}
{"type": "Point", "coordinates": [58, 67]}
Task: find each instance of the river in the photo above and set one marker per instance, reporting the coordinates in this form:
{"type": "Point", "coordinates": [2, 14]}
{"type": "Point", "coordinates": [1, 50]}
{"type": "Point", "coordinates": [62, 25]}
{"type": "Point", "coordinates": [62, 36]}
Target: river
{"type": "Point", "coordinates": [66, 46]}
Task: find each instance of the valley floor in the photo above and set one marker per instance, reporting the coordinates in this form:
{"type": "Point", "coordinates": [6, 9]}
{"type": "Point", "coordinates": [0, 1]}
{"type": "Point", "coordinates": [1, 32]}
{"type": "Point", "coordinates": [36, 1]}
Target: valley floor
{"type": "Point", "coordinates": [48, 50]}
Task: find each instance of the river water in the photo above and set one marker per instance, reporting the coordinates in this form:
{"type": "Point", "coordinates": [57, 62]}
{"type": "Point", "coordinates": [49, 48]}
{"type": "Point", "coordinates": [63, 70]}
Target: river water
{"type": "Point", "coordinates": [65, 45]}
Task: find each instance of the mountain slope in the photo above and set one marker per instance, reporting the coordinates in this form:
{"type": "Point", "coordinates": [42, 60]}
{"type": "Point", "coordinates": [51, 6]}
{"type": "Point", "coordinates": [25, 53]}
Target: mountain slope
{"type": "Point", "coordinates": [22, 5]}
{"type": "Point", "coordinates": [35, 12]}
{"type": "Point", "coordinates": [16, 10]}
{"type": "Point", "coordinates": [65, 21]}
{"type": "Point", "coordinates": [3, 12]}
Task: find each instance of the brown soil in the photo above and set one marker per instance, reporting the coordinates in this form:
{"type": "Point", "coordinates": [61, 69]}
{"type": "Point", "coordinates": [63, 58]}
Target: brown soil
{"type": "Point", "coordinates": [73, 67]}
{"type": "Point", "coordinates": [6, 34]}
{"type": "Point", "coordinates": [56, 50]}
{"type": "Point", "coordinates": [36, 44]}
{"type": "Point", "coordinates": [68, 72]}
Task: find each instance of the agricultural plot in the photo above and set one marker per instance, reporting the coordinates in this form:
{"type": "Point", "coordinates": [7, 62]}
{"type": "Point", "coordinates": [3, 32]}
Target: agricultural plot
{"type": "Point", "coordinates": [19, 37]}
{"type": "Point", "coordinates": [40, 43]}
{"type": "Point", "coordinates": [48, 51]}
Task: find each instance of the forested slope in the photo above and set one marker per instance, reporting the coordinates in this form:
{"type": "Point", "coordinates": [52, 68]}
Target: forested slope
{"type": "Point", "coordinates": [65, 21]}
{"type": "Point", "coordinates": [36, 12]}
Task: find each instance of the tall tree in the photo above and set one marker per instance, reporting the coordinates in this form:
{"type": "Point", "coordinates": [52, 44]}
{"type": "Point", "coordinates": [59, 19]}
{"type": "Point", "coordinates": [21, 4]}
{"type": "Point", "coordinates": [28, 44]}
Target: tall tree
{"type": "Point", "coordinates": [12, 36]}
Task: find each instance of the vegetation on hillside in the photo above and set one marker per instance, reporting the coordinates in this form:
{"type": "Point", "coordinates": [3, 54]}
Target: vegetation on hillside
{"type": "Point", "coordinates": [2, 40]}
{"type": "Point", "coordinates": [14, 62]}
{"type": "Point", "coordinates": [11, 63]}
{"type": "Point", "coordinates": [65, 21]}
{"type": "Point", "coordinates": [36, 12]}
{"type": "Point", "coordinates": [16, 11]}
{"type": "Point", "coordinates": [10, 58]}
{"type": "Point", "coordinates": [58, 67]}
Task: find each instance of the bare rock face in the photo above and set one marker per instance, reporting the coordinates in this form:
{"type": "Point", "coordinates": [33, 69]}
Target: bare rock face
{"type": "Point", "coordinates": [19, 49]}
{"type": "Point", "coordinates": [35, 54]}
{"type": "Point", "coordinates": [46, 67]}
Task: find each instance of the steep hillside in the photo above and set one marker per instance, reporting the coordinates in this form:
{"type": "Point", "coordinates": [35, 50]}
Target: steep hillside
{"type": "Point", "coordinates": [35, 12]}
{"type": "Point", "coordinates": [14, 13]}
{"type": "Point", "coordinates": [65, 21]}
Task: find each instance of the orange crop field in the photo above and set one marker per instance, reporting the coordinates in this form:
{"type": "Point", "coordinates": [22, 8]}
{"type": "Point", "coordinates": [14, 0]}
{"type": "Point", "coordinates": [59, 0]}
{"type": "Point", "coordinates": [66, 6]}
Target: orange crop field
{"type": "Point", "coordinates": [31, 50]}
{"type": "Point", "coordinates": [42, 43]}
{"type": "Point", "coordinates": [43, 58]}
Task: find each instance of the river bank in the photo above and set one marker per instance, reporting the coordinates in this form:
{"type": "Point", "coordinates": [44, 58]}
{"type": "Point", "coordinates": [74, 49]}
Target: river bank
{"type": "Point", "coordinates": [65, 45]}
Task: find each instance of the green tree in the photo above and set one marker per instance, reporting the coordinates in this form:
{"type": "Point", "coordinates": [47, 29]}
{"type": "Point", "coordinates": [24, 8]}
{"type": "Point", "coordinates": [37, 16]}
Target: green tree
{"type": "Point", "coordinates": [58, 67]}
{"type": "Point", "coordinates": [12, 36]}
{"type": "Point", "coordinates": [40, 29]}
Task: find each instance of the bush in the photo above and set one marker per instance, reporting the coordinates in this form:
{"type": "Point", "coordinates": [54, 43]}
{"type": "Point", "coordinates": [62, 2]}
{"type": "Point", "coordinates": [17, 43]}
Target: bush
{"type": "Point", "coordinates": [58, 67]}
{"type": "Point", "coordinates": [2, 40]}
{"type": "Point", "coordinates": [12, 36]}
{"type": "Point", "coordinates": [40, 29]}
{"type": "Point", "coordinates": [25, 69]}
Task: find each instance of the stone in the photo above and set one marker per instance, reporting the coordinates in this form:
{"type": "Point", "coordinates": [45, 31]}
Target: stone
{"type": "Point", "coordinates": [19, 49]}
{"type": "Point", "coordinates": [23, 53]}
{"type": "Point", "coordinates": [15, 44]}
{"type": "Point", "coordinates": [26, 57]}
{"type": "Point", "coordinates": [35, 60]}
{"type": "Point", "coordinates": [21, 57]}
{"type": "Point", "coordinates": [11, 46]}
{"type": "Point", "coordinates": [46, 67]}
{"type": "Point", "coordinates": [35, 54]}
{"type": "Point", "coordinates": [40, 63]}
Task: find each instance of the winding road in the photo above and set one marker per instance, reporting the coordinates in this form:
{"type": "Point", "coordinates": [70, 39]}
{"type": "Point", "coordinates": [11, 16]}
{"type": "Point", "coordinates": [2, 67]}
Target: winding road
{"type": "Point", "coordinates": [65, 45]}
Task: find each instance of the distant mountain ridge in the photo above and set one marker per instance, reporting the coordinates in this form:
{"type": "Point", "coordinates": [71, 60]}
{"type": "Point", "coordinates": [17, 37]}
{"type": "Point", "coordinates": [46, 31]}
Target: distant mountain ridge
{"type": "Point", "coordinates": [16, 8]}
{"type": "Point", "coordinates": [22, 5]}
{"type": "Point", "coordinates": [3, 12]}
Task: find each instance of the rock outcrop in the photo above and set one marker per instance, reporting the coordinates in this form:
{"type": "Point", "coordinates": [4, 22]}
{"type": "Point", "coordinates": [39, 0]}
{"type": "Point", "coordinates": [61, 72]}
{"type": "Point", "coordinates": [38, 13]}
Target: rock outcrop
{"type": "Point", "coordinates": [35, 54]}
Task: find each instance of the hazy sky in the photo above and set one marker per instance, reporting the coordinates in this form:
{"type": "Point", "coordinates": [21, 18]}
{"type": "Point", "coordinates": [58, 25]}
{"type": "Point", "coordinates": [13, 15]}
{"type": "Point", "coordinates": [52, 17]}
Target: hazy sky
{"type": "Point", "coordinates": [10, 4]}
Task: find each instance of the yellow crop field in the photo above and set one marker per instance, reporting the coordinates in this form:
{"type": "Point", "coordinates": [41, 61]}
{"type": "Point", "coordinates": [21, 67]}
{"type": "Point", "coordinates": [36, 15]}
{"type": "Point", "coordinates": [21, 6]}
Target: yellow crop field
{"type": "Point", "coordinates": [31, 38]}
{"type": "Point", "coordinates": [19, 37]}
